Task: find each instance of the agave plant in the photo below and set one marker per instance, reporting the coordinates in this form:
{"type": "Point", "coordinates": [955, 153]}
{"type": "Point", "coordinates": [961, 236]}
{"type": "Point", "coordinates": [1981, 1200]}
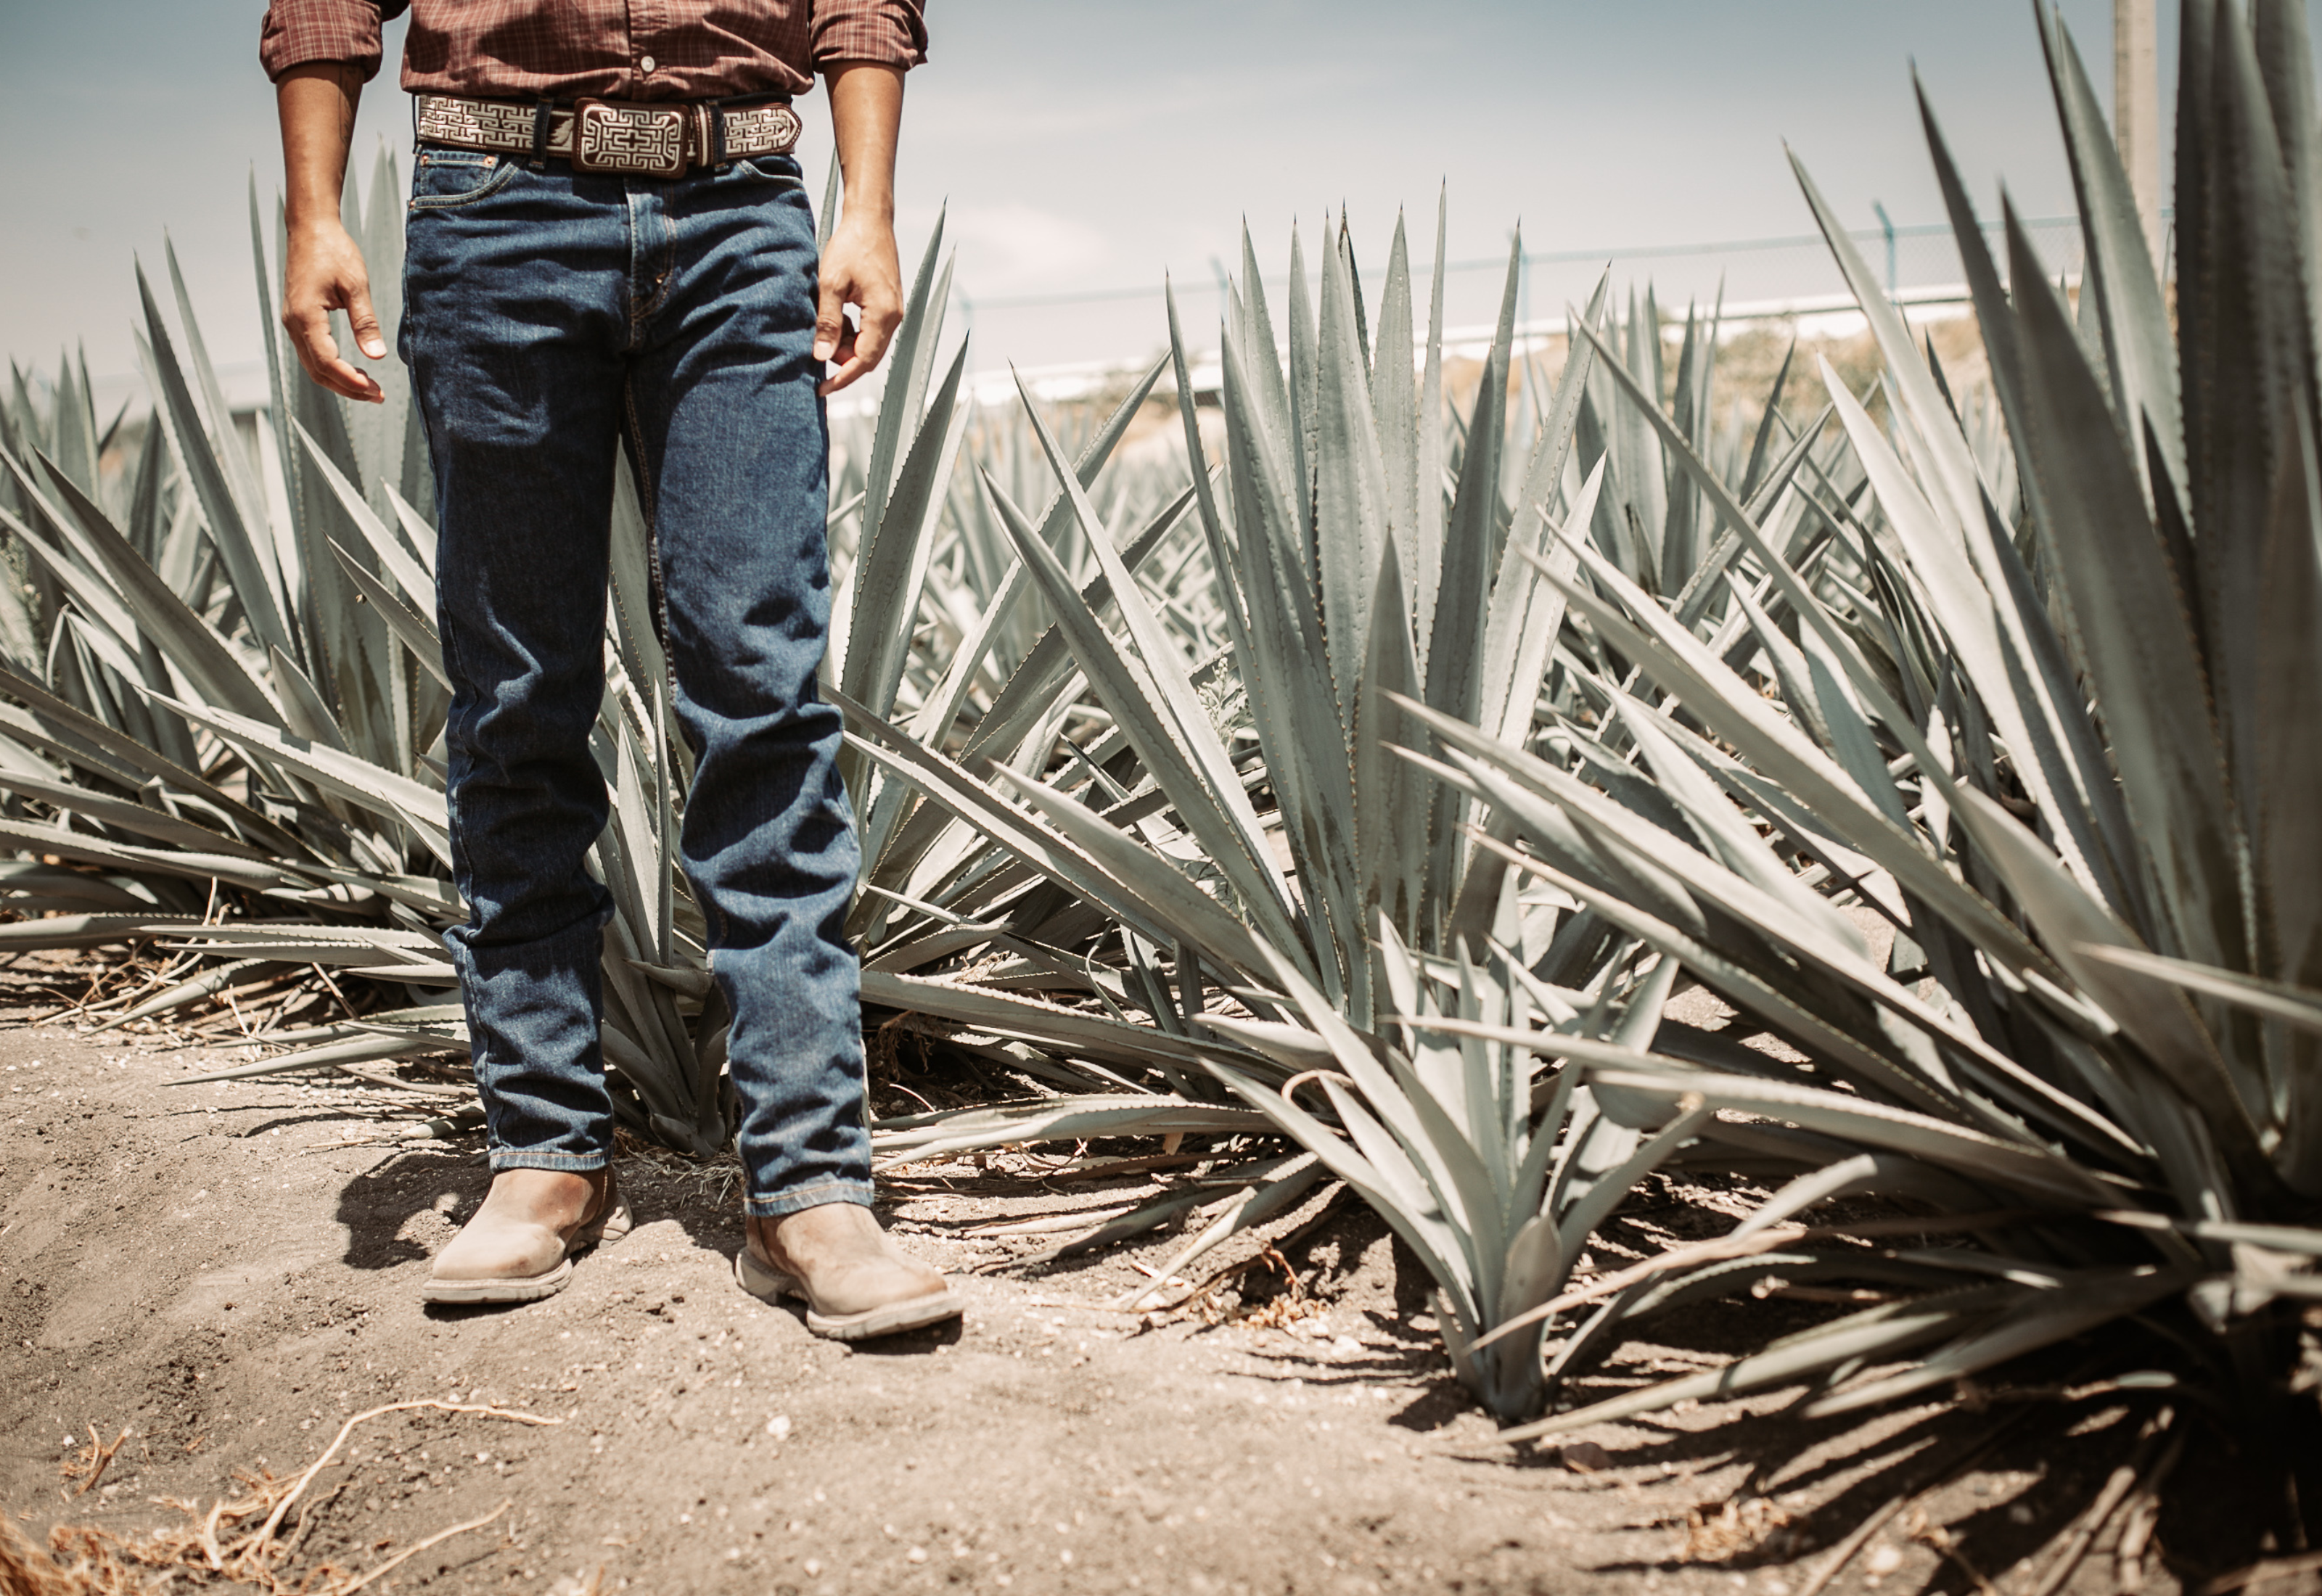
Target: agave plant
{"type": "Point", "coordinates": [1492, 1171]}
{"type": "Point", "coordinates": [1240, 869]}
{"type": "Point", "coordinates": [2044, 705]}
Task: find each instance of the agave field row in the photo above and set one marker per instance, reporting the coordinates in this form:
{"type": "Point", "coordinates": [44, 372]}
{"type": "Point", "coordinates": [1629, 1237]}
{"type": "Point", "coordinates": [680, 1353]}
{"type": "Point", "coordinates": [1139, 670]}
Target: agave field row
{"type": "Point", "coordinates": [1351, 790]}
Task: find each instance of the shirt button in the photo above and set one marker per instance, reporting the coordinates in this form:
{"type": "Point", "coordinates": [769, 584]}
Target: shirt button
{"type": "Point", "coordinates": [647, 66]}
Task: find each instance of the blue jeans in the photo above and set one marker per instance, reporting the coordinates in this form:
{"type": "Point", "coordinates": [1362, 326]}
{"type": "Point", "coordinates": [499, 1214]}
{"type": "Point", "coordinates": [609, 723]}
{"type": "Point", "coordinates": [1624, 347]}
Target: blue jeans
{"type": "Point", "coordinates": [548, 315]}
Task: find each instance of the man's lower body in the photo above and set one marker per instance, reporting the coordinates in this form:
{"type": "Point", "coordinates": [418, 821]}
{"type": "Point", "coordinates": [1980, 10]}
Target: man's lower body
{"type": "Point", "coordinates": [548, 315]}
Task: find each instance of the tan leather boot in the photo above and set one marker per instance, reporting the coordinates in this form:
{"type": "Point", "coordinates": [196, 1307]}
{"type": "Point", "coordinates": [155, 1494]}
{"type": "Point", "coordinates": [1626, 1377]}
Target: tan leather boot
{"type": "Point", "coordinates": [520, 1245]}
{"type": "Point", "coordinates": [854, 1280]}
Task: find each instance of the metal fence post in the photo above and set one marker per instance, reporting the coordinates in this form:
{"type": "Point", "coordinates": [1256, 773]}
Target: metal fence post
{"type": "Point", "coordinates": [2136, 111]}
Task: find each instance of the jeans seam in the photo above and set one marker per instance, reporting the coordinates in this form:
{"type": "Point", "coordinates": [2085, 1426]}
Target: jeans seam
{"type": "Point", "coordinates": [657, 588]}
{"type": "Point", "coordinates": [456, 736]}
{"type": "Point", "coordinates": [407, 338]}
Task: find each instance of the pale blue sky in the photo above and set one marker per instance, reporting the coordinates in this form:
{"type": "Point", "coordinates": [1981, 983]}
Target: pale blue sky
{"type": "Point", "coordinates": [1087, 145]}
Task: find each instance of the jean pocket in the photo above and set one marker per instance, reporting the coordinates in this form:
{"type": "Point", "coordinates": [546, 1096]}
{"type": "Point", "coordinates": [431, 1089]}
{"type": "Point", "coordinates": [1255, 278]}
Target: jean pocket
{"type": "Point", "coordinates": [441, 181]}
{"type": "Point", "coordinates": [779, 170]}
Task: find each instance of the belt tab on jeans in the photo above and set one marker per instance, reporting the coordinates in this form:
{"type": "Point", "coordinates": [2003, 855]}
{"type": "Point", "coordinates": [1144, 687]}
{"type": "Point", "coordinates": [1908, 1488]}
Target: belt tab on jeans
{"type": "Point", "coordinates": [645, 138]}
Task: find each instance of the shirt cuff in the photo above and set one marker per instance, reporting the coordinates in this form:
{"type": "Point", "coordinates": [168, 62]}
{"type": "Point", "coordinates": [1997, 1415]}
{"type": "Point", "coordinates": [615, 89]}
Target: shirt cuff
{"type": "Point", "coordinates": [887, 33]}
{"type": "Point", "coordinates": [300, 32]}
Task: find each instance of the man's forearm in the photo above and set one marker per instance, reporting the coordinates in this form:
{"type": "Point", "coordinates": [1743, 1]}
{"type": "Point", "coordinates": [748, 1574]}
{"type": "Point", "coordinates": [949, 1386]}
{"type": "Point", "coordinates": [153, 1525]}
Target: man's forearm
{"type": "Point", "coordinates": [858, 265]}
{"type": "Point", "coordinates": [866, 117]}
{"type": "Point", "coordinates": [317, 102]}
{"type": "Point", "coordinates": [322, 270]}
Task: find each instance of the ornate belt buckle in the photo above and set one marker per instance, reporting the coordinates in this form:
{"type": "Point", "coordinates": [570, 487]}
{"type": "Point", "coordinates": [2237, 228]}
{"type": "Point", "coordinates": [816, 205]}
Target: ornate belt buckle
{"type": "Point", "coordinates": [610, 136]}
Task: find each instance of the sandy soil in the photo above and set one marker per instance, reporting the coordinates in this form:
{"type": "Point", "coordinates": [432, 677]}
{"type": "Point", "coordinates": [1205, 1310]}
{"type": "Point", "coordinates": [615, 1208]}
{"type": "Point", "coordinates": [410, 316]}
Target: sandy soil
{"type": "Point", "coordinates": [228, 1271]}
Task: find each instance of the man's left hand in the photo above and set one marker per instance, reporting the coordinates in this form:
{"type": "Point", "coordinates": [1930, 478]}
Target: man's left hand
{"type": "Point", "coordinates": [858, 264]}
{"type": "Point", "coordinates": [859, 268]}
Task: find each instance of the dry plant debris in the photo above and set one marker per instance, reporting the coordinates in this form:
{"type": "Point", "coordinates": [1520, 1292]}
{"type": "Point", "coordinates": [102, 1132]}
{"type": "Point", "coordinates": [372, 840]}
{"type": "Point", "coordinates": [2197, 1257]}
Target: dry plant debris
{"type": "Point", "coordinates": [90, 1468]}
{"type": "Point", "coordinates": [1279, 1313]}
{"type": "Point", "coordinates": [1734, 1529]}
{"type": "Point", "coordinates": [2139, 1470]}
{"type": "Point", "coordinates": [86, 1561]}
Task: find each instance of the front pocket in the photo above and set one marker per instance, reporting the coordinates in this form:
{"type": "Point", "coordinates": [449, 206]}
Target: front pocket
{"type": "Point", "coordinates": [768, 168]}
{"type": "Point", "coordinates": [444, 184]}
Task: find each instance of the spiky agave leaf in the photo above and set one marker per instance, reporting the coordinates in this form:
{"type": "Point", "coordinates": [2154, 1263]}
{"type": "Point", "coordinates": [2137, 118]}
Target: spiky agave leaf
{"type": "Point", "coordinates": [2090, 855]}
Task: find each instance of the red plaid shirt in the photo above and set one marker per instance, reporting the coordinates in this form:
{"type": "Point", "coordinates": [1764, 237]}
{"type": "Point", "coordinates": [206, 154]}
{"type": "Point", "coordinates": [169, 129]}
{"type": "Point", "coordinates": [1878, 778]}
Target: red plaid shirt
{"type": "Point", "coordinates": [631, 50]}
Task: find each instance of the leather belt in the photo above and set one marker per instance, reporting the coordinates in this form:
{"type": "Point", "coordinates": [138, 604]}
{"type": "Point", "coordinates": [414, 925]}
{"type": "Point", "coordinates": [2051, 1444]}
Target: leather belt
{"type": "Point", "coordinates": [663, 139]}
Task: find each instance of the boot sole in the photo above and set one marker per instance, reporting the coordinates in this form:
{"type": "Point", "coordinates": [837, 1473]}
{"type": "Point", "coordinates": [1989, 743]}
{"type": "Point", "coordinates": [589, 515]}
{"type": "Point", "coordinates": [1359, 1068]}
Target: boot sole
{"type": "Point", "coordinates": [915, 1313]}
{"type": "Point", "coordinates": [531, 1287]}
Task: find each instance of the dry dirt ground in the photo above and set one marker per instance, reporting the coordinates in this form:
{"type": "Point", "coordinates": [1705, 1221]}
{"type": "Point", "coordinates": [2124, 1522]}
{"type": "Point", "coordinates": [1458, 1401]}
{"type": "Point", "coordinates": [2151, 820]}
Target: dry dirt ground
{"type": "Point", "coordinates": [227, 1272]}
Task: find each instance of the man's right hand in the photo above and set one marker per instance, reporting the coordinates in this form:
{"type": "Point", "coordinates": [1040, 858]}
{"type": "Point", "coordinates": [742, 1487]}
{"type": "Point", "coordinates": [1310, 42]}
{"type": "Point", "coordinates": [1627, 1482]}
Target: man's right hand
{"type": "Point", "coordinates": [324, 269]}
{"type": "Point", "coordinates": [324, 272]}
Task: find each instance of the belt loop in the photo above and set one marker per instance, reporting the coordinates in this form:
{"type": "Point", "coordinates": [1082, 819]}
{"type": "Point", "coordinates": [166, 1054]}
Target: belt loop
{"type": "Point", "coordinates": [542, 116]}
{"type": "Point", "coordinates": [717, 117]}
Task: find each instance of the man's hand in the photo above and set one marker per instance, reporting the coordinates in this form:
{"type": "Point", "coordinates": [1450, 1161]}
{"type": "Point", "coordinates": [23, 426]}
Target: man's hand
{"type": "Point", "coordinates": [858, 264]}
{"type": "Point", "coordinates": [859, 269]}
{"type": "Point", "coordinates": [322, 270]}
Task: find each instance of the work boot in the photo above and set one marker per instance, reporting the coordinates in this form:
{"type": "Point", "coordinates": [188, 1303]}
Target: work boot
{"type": "Point", "coordinates": [854, 1282]}
{"type": "Point", "coordinates": [520, 1245]}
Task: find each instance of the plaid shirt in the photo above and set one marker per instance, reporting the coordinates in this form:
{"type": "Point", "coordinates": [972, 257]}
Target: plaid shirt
{"type": "Point", "coordinates": [631, 50]}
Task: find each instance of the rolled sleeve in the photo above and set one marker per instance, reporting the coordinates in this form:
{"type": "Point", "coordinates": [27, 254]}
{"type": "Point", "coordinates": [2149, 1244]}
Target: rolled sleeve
{"type": "Point", "coordinates": [891, 32]}
{"type": "Point", "coordinates": [297, 32]}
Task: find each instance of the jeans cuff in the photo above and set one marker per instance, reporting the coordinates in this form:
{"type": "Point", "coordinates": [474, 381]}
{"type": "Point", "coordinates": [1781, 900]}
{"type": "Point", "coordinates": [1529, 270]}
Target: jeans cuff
{"type": "Point", "coordinates": [519, 1158]}
{"type": "Point", "coordinates": [808, 1197]}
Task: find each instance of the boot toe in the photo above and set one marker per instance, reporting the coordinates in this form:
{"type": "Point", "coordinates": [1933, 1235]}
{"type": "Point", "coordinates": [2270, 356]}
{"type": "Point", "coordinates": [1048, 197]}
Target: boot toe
{"type": "Point", "coordinates": [871, 1287]}
{"type": "Point", "coordinates": [505, 1252]}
